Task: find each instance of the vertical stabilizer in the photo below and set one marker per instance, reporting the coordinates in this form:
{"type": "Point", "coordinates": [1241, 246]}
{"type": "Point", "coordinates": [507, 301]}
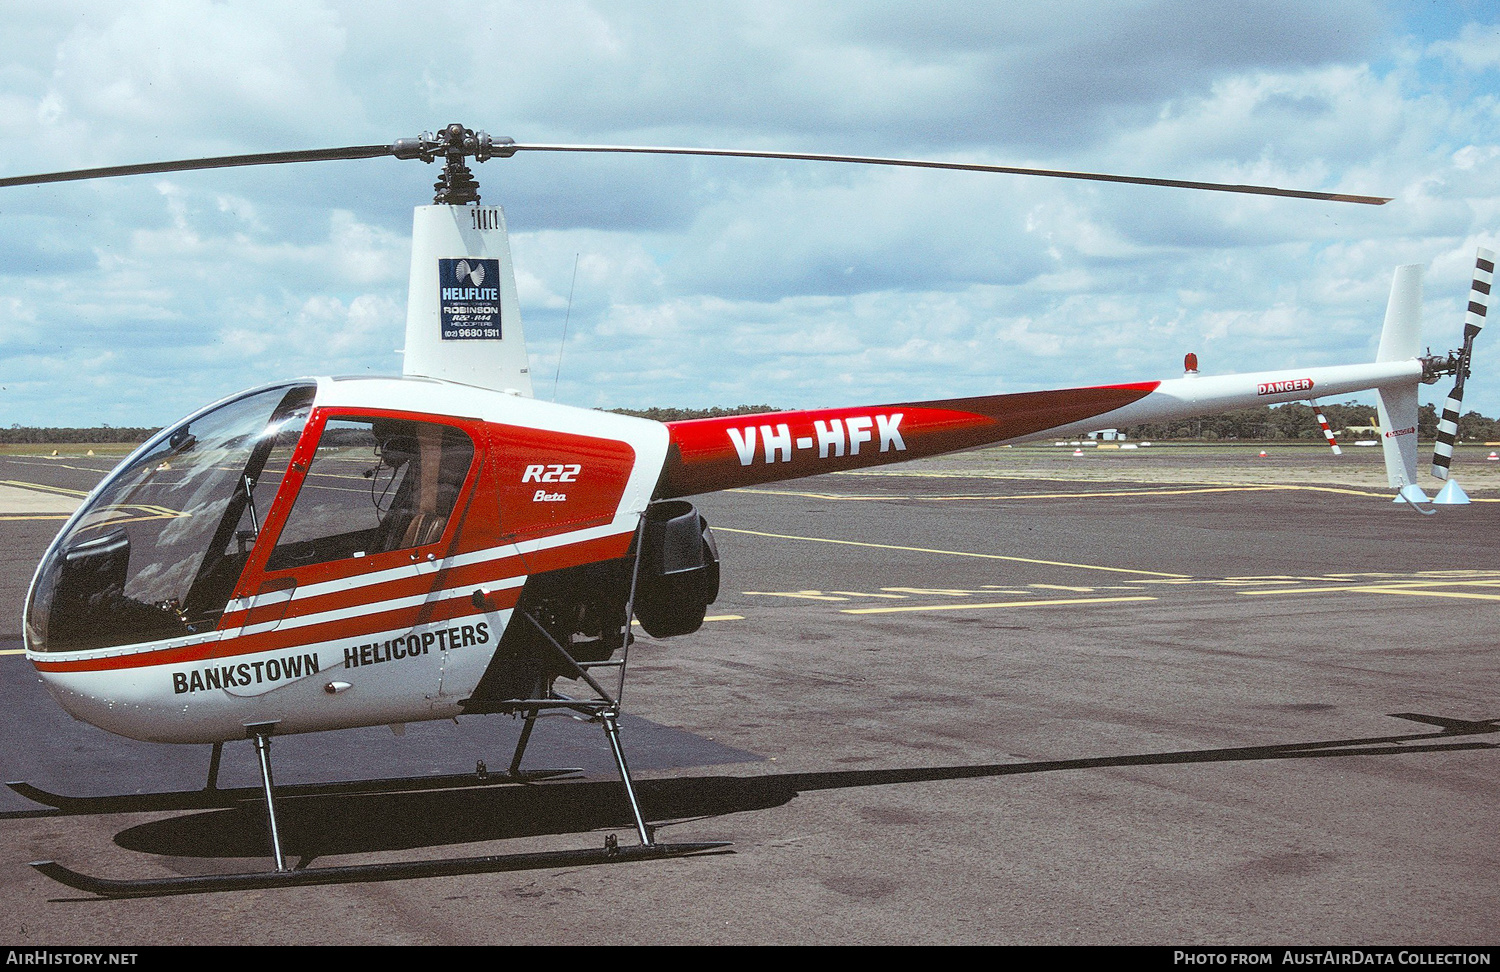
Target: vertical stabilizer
{"type": "Point", "coordinates": [463, 320]}
{"type": "Point", "coordinates": [1397, 405]}
{"type": "Point", "coordinates": [1401, 337]}
{"type": "Point", "coordinates": [1401, 340]}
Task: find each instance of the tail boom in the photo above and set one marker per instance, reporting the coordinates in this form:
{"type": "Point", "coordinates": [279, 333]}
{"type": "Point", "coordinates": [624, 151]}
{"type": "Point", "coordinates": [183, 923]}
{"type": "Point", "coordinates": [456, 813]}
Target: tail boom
{"type": "Point", "coordinates": [746, 450]}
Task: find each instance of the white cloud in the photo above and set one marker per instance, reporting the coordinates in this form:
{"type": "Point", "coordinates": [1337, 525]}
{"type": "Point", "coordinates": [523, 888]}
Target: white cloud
{"type": "Point", "coordinates": [1477, 47]}
{"type": "Point", "coordinates": [723, 281]}
{"type": "Point", "coordinates": [201, 73]}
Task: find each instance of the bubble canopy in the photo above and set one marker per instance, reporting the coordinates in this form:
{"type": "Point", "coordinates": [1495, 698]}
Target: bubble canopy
{"type": "Point", "coordinates": [156, 550]}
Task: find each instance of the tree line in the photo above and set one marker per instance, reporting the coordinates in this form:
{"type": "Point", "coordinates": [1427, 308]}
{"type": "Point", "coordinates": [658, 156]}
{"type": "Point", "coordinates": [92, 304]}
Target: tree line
{"type": "Point", "coordinates": [28, 435]}
{"type": "Point", "coordinates": [1296, 420]}
{"type": "Point", "coordinates": [1291, 421]}
{"type": "Point", "coordinates": [682, 414]}
{"type": "Point", "coordinates": [23, 435]}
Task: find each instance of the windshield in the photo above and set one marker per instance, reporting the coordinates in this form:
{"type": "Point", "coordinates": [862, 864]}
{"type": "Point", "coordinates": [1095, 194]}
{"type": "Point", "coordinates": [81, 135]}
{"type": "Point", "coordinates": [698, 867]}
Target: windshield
{"type": "Point", "coordinates": [157, 551]}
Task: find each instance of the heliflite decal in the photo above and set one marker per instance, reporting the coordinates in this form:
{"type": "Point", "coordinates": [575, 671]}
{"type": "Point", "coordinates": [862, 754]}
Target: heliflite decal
{"type": "Point", "coordinates": [469, 299]}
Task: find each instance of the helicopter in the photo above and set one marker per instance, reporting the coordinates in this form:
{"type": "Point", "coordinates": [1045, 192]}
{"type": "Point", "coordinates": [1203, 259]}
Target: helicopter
{"type": "Point", "coordinates": [328, 553]}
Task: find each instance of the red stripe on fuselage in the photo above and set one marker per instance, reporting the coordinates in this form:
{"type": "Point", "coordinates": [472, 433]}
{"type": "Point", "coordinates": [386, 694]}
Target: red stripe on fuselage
{"type": "Point", "coordinates": [373, 620]}
{"type": "Point", "coordinates": [486, 571]}
{"type": "Point", "coordinates": [338, 629]}
{"type": "Point", "coordinates": [743, 450]}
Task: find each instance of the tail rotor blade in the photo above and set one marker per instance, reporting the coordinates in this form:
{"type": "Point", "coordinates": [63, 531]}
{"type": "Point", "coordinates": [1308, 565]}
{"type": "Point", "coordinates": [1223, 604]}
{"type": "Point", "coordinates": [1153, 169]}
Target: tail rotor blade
{"type": "Point", "coordinates": [1479, 298]}
{"type": "Point", "coordinates": [1447, 432]}
{"type": "Point", "coordinates": [1479, 295]}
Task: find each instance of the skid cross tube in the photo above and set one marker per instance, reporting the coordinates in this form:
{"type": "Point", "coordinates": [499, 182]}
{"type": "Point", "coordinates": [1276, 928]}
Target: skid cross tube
{"type": "Point", "coordinates": [515, 759]}
{"type": "Point", "coordinates": [514, 773]}
{"type": "Point", "coordinates": [606, 708]}
{"type": "Point", "coordinates": [213, 767]}
{"type": "Point", "coordinates": [260, 732]}
{"type": "Point", "coordinates": [611, 722]}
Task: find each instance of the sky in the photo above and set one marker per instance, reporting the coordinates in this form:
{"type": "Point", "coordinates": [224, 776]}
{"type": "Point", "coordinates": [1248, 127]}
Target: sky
{"type": "Point", "coordinates": [133, 301]}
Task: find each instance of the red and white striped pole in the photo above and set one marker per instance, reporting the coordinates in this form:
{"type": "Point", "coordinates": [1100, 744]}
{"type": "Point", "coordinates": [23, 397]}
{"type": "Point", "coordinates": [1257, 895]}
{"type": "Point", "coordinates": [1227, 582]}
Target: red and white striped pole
{"type": "Point", "coordinates": [1323, 424]}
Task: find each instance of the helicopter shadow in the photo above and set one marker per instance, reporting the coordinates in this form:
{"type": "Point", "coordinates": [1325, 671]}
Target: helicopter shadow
{"type": "Point", "coordinates": [324, 825]}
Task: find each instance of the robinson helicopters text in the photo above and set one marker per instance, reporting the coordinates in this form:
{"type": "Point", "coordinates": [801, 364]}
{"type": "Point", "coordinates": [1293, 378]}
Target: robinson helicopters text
{"type": "Point", "coordinates": [326, 553]}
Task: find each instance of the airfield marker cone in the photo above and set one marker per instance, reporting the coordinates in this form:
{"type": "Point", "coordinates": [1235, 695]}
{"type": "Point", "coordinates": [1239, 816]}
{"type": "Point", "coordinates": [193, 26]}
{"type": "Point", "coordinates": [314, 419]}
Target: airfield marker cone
{"type": "Point", "coordinates": [1451, 494]}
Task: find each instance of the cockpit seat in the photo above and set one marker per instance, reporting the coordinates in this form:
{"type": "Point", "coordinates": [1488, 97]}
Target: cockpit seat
{"type": "Point", "coordinates": [418, 529]}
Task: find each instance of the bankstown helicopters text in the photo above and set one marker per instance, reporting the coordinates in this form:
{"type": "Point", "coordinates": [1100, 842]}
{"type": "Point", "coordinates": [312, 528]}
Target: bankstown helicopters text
{"type": "Point", "coordinates": [355, 656]}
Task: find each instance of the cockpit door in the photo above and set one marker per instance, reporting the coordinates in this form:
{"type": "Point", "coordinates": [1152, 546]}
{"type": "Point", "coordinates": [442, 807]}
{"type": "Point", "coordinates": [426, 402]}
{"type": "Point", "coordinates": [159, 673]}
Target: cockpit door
{"type": "Point", "coordinates": [354, 558]}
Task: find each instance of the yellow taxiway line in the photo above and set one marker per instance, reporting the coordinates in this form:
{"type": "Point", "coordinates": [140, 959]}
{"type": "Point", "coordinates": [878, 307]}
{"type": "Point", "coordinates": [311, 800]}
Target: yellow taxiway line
{"type": "Point", "coordinates": [949, 553]}
{"type": "Point", "coordinates": [1417, 588]}
{"type": "Point", "coordinates": [1168, 491]}
{"type": "Point", "coordinates": [45, 488]}
{"type": "Point", "coordinates": [994, 604]}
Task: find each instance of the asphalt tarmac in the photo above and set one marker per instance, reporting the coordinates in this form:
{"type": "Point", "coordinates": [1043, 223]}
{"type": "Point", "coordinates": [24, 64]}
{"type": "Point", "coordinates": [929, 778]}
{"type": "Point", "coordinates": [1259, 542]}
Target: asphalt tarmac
{"type": "Point", "coordinates": [932, 709]}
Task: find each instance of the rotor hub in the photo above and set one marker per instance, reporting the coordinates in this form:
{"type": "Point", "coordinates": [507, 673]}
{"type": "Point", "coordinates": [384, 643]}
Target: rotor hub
{"type": "Point", "coordinates": [456, 186]}
{"type": "Point", "coordinates": [1435, 366]}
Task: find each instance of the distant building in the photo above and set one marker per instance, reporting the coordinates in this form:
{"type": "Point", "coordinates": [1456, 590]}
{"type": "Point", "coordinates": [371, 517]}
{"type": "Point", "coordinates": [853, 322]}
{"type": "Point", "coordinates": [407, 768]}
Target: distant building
{"type": "Point", "coordinates": [1107, 435]}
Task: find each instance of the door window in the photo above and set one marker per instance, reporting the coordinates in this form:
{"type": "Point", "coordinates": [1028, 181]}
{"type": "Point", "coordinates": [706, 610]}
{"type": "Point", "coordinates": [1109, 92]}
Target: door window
{"type": "Point", "coordinates": [374, 485]}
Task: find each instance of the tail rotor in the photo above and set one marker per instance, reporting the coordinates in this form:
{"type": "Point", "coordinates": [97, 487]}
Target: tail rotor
{"type": "Point", "coordinates": [1479, 297]}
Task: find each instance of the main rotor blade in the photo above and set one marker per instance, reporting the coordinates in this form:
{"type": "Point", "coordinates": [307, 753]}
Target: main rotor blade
{"type": "Point", "coordinates": [505, 148]}
{"type": "Point", "coordinates": [962, 166]}
{"type": "Point", "coordinates": [220, 162]}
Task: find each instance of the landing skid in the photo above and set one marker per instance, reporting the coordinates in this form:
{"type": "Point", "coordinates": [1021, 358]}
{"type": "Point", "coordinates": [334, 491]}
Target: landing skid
{"type": "Point", "coordinates": [611, 853]}
{"type": "Point", "coordinates": [210, 798]}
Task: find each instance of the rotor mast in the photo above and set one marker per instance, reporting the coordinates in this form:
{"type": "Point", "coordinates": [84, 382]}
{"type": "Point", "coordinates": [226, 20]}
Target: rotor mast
{"type": "Point", "coordinates": [456, 185]}
{"type": "Point", "coordinates": [463, 317]}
